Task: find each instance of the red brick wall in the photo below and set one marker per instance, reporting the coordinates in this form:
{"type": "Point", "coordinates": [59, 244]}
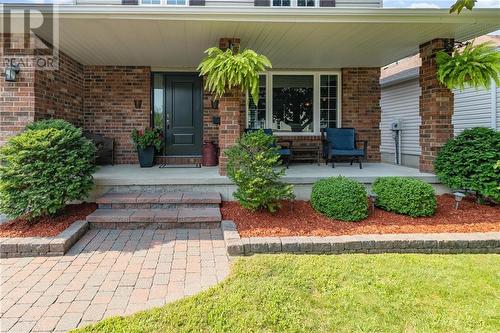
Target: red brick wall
{"type": "Point", "coordinates": [17, 99]}
{"type": "Point", "coordinates": [436, 106]}
{"type": "Point", "coordinates": [59, 94]}
{"type": "Point", "coordinates": [361, 106]}
{"type": "Point", "coordinates": [109, 107]}
{"type": "Point", "coordinates": [210, 130]}
{"type": "Point", "coordinates": [38, 93]}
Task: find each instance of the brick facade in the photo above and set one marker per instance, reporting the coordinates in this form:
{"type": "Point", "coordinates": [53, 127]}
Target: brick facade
{"type": "Point", "coordinates": [361, 106]}
{"type": "Point", "coordinates": [109, 107]}
{"type": "Point", "coordinates": [59, 94]}
{"type": "Point", "coordinates": [436, 106]}
{"type": "Point", "coordinates": [17, 99]}
{"type": "Point", "coordinates": [97, 98]}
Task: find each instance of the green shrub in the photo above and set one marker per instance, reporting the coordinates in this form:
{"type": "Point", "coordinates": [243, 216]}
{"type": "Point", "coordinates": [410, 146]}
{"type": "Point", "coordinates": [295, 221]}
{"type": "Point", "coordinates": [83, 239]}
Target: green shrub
{"type": "Point", "coordinates": [340, 198]}
{"type": "Point", "coordinates": [406, 196]}
{"type": "Point", "coordinates": [45, 167]}
{"type": "Point", "coordinates": [468, 161]}
{"type": "Point", "coordinates": [253, 165]}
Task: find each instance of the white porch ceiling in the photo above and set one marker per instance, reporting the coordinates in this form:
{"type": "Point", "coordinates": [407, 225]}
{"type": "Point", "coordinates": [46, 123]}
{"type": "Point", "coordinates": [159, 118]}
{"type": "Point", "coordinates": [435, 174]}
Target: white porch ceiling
{"type": "Point", "coordinates": [316, 38]}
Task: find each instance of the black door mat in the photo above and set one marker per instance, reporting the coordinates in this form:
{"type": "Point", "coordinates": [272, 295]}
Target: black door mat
{"type": "Point", "coordinates": [175, 166]}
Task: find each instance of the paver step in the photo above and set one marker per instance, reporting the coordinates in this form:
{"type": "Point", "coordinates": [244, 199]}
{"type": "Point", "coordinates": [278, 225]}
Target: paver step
{"type": "Point", "coordinates": [159, 200]}
{"type": "Point", "coordinates": [134, 218]}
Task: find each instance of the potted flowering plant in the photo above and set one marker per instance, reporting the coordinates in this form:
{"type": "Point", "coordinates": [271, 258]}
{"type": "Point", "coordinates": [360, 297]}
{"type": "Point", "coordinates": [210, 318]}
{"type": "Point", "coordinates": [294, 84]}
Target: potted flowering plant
{"type": "Point", "coordinates": [147, 141]}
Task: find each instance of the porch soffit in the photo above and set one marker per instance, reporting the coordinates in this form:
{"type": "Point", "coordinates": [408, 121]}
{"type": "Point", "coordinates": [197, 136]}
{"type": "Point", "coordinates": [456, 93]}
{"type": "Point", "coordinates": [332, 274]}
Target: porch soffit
{"type": "Point", "coordinates": [306, 39]}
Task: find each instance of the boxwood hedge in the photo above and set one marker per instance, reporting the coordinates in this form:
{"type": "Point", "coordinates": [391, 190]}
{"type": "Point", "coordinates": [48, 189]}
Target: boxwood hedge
{"type": "Point", "coordinates": [406, 196]}
{"type": "Point", "coordinates": [340, 198]}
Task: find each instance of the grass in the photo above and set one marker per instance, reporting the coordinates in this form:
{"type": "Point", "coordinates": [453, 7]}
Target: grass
{"type": "Point", "coordinates": [346, 293]}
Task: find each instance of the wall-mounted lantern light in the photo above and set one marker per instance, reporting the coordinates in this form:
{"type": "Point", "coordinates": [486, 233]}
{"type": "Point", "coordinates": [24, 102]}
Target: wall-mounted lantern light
{"type": "Point", "coordinates": [138, 103]}
{"type": "Point", "coordinates": [11, 73]}
{"type": "Point", "coordinates": [215, 103]}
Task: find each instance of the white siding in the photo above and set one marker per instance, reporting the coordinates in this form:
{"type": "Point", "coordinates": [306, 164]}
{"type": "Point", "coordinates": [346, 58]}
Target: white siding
{"type": "Point", "coordinates": [401, 101]}
{"type": "Point", "coordinates": [472, 109]}
{"type": "Point", "coordinates": [245, 3]}
{"type": "Point", "coordinates": [98, 2]}
{"type": "Point", "coordinates": [358, 3]}
{"type": "Point", "coordinates": [339, 3]}
{"type": "Point", "coordinates": [229, 3]}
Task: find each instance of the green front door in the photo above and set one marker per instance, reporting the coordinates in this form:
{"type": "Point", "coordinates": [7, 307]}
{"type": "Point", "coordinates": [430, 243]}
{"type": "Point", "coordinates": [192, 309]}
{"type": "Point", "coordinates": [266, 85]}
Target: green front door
{"type": "Point", "coordinates": [182, 113]}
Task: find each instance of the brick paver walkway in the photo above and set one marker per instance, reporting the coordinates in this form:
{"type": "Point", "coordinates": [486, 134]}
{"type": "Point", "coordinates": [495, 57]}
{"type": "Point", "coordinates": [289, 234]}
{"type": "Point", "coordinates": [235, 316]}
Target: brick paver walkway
{"type": "Point", "coordinates": [109, 272]}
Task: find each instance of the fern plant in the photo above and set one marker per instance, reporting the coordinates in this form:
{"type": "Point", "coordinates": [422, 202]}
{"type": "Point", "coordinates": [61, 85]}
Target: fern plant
{"type": "Point", "coordinates": [225, 69]}
{"type": "Point", "coordinates": [474, 66]}
{"type": "Point", "coordinates": [461, 4]}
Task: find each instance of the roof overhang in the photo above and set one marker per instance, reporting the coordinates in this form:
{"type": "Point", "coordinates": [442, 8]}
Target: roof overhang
{"type": "Point", "coordinates": [292, 38]}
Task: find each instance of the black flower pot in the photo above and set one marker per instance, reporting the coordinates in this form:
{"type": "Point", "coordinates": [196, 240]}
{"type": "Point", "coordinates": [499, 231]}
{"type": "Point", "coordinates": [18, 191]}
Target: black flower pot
{"type": "Point", "coordinates": [146, 156]}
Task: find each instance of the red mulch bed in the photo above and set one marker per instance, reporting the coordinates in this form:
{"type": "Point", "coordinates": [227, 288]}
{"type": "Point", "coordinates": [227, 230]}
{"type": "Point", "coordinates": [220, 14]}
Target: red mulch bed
{"type": "Point", "coordinates": [300, 219]}
{"type": "Point", "coordinates": [47, 226]}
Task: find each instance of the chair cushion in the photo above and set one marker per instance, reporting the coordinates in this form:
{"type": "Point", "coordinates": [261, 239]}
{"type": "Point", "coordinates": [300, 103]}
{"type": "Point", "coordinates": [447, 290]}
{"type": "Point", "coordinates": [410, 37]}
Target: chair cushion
{"type": "Point", "coordinates": [341, 138]}
{"type": "Point", "coordinates": [348, 152]}
{"type": "Point", "coordinates": [285, 152]}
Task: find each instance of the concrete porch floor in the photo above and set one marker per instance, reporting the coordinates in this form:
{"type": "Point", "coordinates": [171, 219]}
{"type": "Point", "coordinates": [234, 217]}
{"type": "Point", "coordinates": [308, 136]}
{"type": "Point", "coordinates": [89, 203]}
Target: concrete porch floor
{"type": "Point", "coordinates": [296, 174]}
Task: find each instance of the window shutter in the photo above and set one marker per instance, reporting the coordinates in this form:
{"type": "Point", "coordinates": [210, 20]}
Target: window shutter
{"type": "Point", "coordinates": [262, 3]}
{"type": "Point", "coordinates": [197, 2]}
{"type": "Point", "coordinates": [327, 3]}
{"type": "Point", "coordinates": [130, 2]}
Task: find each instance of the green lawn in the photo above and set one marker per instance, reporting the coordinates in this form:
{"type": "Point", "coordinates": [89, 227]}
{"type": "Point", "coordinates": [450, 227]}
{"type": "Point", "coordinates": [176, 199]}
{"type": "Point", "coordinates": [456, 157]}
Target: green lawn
{"type": "Point", "coordinates": [345, 293]}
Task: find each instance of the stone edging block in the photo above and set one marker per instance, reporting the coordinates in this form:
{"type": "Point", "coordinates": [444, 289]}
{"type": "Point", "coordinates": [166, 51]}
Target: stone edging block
{"type": "Point", "coordinates": [488, 242]}
{"type": "Point", "coordinates": [43, 246]}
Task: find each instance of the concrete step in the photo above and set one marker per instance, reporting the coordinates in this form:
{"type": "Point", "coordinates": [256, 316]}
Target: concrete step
{"type": "Point", "coordinates": [159, 200]}
{"type": "Point", "coordinates": [185, 217]}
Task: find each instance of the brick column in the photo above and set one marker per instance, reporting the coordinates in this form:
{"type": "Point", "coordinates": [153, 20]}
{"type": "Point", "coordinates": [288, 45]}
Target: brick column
{"type": "Point", "coordinates": [230, 127]}
{"type": "Point", "coordinates": [436, 106]}
{"type": "Point", "coordinates": [361, 106]}
{"type": "Point", "coordinates": [231, 111]}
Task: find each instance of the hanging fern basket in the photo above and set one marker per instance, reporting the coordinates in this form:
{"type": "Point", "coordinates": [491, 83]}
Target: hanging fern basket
{"type": "Point", "coordinates": [473, 66]}
{"type": "Point", "coordinates": [226, 69]}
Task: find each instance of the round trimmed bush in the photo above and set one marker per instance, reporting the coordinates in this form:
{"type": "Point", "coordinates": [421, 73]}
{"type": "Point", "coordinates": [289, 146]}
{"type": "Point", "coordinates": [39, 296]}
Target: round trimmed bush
{"type": "Point", "coordinates": [340, 198]}
{"type": "Point", "coordinates": [468, 161]}
{"type": "Point", "coordinates": [406, 196]}
{"type": "Point", "coordinates": [45, 167]}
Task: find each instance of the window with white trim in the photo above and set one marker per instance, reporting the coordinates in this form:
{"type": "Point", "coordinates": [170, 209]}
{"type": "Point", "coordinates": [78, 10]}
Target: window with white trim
{"type": "Point", "coordinates": [257, 113]}
{"type": "Point", "coordinates": [296, 103]}
{"type": "Point", "coordinates": [294, 3]}
{"type": "Point", "coordinates": [328, 103]}
{"type": "Point", "coordinates": [281, 3]}
{"type": "Point", "coordinates": [306, 3]}
{"type": "Point", "coordinates": [176, 2]}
